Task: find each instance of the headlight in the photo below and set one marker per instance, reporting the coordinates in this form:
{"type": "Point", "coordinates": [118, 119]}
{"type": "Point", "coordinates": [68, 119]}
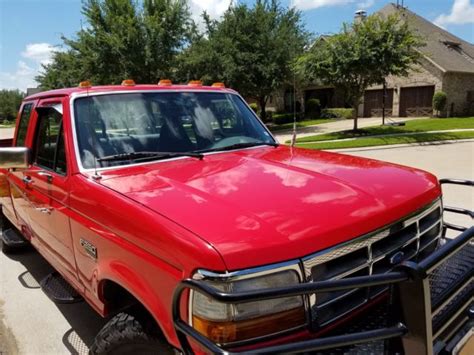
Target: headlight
{"type": "Point", "coordinates": [229, 323]}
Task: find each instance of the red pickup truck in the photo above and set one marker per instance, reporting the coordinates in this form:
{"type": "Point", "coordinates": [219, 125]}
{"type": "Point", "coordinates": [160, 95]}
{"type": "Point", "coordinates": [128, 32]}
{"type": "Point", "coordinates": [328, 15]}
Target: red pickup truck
{"type": "Point", "coordinates": [173, 211]}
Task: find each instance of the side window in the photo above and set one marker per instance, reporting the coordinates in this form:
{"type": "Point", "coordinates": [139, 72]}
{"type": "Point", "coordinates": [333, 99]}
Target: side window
{"type": "Point", "coordinates": [23, 127]}
{"type": "Point", "coordinates": [50, 152]}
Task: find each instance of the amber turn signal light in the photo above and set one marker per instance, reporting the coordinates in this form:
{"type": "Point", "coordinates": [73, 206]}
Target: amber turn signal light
{"type": "Point", "coordinates": [85, 84]}
{"type": "Point", "coordinates": [195, 83]}
{"type": "Point", "coordinates": [231, 331]}
{"type": "Point", "coordinates": [218, 85]}
{"type": "Point", "coordinates": [128, 82]}
{"type": "Point", "coordinates": [165, 82]}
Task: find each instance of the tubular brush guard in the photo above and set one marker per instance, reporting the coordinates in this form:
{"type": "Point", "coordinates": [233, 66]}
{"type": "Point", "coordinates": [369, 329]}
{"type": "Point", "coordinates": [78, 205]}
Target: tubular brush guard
{"type": "Point", "coordinates": [434, 297]}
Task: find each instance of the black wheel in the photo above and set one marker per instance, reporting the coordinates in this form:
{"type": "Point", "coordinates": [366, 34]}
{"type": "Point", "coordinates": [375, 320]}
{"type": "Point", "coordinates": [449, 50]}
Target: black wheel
{"type": "Point", "coordinates": [129, 334]}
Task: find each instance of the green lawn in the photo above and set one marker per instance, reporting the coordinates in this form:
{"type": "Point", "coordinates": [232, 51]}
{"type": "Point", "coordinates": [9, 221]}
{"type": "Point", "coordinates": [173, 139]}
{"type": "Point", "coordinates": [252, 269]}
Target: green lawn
{"type": "Point", "coordinates": [432, 124]}
{"type": "Point", "coordinates": [301, 124]}
{"type": "Point", "coordinates": [389, 140]}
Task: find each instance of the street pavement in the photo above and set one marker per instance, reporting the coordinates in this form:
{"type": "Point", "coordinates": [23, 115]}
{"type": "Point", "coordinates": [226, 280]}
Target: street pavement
{"type": "Point", "coordinates": [30, 323]}
{"type": "Point", "coordinates": [445, 160]}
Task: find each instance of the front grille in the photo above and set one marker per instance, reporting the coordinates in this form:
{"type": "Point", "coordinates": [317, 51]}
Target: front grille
{"type": "Point", "coordinates": [412, 238]}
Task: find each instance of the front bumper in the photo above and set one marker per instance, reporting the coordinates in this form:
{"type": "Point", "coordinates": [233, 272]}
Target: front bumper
{"type": "Point", "coordinates": [429, 308]}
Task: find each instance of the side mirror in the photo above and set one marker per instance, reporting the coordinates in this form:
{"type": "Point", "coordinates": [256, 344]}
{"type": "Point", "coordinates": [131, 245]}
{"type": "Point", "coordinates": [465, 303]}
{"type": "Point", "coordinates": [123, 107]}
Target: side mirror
{"type": "Point", "coordinates": [14, 157]}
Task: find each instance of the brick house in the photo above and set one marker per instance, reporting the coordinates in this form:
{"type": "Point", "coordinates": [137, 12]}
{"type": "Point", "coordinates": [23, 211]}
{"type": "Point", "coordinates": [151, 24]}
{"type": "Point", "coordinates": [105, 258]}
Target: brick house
{"type": "Point", "coordinates": [447, 65]}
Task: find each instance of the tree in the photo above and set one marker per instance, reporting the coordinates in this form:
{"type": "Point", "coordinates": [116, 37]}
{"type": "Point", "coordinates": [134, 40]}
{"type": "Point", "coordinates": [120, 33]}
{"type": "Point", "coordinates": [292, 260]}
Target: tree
{"type": "Point", "coordinates": [362, 55]}
{"type": "Point", "coordinates": [10, 101]}
{"type": "Point", "coordinates": [122, 39]}
{"type": "Point", "coordinates": [439, 102]}
{"type": "Point", "coordinates": [250, 49]}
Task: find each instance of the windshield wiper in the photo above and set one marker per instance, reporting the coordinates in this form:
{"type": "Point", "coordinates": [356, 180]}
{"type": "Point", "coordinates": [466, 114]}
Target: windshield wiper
{"type": "Point", "coordinates": [142, 156]}
{"type": "Point", "coordinates": [240, 146]}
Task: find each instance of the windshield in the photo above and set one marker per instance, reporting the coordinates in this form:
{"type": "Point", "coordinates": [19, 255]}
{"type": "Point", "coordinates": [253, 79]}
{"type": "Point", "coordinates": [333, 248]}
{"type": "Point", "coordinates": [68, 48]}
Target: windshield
{"type": "Point", "coordinates": [112, 129]}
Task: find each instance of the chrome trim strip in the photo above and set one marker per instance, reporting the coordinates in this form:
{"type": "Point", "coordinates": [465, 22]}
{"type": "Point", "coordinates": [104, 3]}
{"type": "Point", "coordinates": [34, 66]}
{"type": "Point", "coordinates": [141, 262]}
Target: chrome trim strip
{"type": "Point", "coordinates": [75, 96]}
{"type": "Point", "coordinates": [351, 271]}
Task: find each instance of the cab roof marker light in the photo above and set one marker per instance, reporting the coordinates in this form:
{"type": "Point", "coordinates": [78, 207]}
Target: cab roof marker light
{"type": "Point", "coordinates": [128, 82]}
{"type": "Point", "coordinates": [165, 82]}
{"type": "Point", "coordinates": [85, 84]}
{"type": "Point", "coordinates": [195, 83]}
{"type": "Point", "coordinates": [218, 85]}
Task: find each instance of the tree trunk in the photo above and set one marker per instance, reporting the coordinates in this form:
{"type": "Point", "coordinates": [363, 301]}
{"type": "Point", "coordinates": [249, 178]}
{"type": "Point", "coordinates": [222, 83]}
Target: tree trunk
{"type": "Point", "coordinates": [263, 103]}
{"type": "Point", "coordinates": [355, 116]}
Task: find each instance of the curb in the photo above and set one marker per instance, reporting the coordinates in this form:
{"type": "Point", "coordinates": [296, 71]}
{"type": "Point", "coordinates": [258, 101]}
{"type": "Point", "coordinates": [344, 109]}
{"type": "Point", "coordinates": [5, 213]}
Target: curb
{"type": "Point", "coordinates": [394, 146]}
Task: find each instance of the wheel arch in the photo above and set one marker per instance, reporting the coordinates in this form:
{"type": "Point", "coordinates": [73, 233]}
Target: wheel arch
{"type": "Point", "coordinates": [118, 295]}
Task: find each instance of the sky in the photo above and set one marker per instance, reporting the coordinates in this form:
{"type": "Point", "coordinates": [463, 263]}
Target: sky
{"type": "Point", "coordinates": [30, 30]}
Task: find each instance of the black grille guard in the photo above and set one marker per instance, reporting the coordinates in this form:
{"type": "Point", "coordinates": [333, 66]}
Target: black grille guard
{"type": "Point", "coordinates": [420, 307]}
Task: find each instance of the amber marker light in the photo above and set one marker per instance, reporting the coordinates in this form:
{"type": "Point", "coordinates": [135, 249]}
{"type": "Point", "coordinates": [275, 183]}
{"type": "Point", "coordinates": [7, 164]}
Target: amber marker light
{"type": "Point", "coordinates": [195, 83]}
{"type": "Point", "coordinates": [234, 331]}
{"type": "Point", "coordinates": [218, 85]}
{"type": "Point", "coordinates": [128, 82]}
{"type": "Point", "coordinates": [85, 84]}
{"type": "Point", "coordinates": [165, 82]}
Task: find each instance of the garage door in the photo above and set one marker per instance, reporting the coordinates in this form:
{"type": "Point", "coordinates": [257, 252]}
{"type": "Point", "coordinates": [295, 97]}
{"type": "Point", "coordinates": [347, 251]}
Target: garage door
{"type": "Point", "coordinates": [416, 101]}
{"type": "Point", "coordinates": [373, 101]}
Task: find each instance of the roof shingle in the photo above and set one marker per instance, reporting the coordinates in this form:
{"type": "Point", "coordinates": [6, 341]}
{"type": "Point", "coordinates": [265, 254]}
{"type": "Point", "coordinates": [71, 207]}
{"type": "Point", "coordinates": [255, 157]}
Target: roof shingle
{"type": "Point", "coordinates": [449, 52]}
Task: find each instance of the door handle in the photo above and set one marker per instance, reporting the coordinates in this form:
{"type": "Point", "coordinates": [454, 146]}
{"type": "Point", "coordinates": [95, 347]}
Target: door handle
{"type": "Point", "coordinates": [45, 174]}
{"type": "Point", "coordinates": [27, 180]}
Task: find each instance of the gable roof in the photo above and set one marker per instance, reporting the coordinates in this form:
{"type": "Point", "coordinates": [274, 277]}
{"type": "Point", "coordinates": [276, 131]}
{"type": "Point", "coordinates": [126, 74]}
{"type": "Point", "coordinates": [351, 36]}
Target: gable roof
{"type": "Point", "coordinates": [450, 53]}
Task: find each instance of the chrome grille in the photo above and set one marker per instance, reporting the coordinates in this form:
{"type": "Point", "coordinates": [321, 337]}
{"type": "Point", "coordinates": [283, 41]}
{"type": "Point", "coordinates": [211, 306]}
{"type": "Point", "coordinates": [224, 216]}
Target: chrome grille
{"type": "Point", "coordinates": [412, 238]}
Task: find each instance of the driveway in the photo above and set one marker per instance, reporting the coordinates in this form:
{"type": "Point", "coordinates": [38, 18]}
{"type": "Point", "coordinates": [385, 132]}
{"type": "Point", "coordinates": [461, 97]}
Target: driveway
{"type": "Point", "coordinates": [6, 133]}
{"type": "Point", "coordinates": [38, 326]}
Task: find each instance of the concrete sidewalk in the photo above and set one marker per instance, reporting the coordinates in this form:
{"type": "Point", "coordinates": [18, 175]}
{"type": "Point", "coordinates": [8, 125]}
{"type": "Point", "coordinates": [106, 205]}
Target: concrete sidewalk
{"type": "Point", "coordinates": [342, 125]}
{"type": "Point", "coordinates": [388, 135]}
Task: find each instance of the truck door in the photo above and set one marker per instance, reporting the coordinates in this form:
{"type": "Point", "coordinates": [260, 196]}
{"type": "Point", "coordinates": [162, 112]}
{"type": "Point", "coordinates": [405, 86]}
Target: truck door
{"type": "Point", "coordinates": [47, 189]}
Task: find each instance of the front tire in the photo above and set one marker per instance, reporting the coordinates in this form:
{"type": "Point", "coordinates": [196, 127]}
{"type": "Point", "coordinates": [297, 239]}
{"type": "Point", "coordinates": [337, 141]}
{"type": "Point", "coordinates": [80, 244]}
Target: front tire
{"type": "Point", "coordinates": [129, 334]}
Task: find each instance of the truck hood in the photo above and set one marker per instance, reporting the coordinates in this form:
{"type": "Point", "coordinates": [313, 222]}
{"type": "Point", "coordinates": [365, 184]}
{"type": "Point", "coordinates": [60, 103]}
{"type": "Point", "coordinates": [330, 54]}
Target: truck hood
{"type": "Point", "coordinates": [266, 205]}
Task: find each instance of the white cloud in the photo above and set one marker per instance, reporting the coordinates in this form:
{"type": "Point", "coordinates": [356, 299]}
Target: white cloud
{"type": "Point", "coordinates": [23, 76]}
{"type": "Point", "coordinates": [214, 8]}
{"type": "Point", "coordinates": [314, 4]}
{"type": "Point", "coordinates": [462, 13]}
{"type": "Point", "coordinates": [39, 52]}
{"type": "Point", "coordinates": [364, 5]}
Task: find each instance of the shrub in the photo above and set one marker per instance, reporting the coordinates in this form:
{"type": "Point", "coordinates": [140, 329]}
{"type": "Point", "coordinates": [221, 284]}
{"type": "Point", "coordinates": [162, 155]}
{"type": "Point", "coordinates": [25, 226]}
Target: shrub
{"type": "Point", "coordinates": [312, 107]}
{"type": "Point", "coordinates": [439, 102]}
{"type": "Point", "coordinates": [345, 113]}
{"type": "Point", "coordinates": [282, 118]}
{"type": "Point", "coordinates": [254, 107]}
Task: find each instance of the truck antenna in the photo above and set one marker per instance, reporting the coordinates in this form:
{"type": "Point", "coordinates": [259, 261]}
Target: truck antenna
{"type": "Point", "coordinates": [293, 138]}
